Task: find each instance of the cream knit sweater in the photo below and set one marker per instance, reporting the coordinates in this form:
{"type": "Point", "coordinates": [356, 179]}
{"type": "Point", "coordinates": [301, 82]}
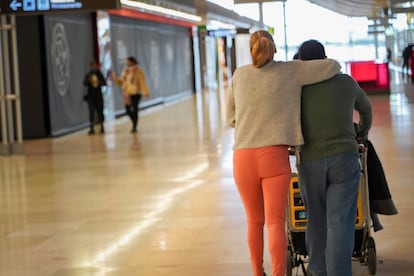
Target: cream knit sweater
{"type": "Point", "coordinates": [263, 104]}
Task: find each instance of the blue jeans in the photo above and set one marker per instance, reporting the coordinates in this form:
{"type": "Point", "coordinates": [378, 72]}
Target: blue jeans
{"type": "Point", "coordinates": [329, 188]}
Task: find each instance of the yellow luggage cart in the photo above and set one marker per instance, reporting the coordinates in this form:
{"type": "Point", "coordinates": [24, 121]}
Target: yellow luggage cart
{"type": "Point", "coordinates": [364, 249]}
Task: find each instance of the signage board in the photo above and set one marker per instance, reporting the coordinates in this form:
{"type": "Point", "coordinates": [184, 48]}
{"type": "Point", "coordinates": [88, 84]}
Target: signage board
{"type": "Point", "coordinates": [30, 7]}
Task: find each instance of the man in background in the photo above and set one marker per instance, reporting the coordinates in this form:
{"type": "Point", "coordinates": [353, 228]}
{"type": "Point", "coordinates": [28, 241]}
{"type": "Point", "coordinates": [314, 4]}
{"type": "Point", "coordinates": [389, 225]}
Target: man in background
{"type": "Point", "coordinates": [406, 55]}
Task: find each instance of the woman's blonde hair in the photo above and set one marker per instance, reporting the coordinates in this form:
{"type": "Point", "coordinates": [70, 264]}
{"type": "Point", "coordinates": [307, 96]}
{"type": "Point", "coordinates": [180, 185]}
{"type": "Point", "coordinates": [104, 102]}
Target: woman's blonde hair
{"type": "Point", "coordinates": [262, 48]}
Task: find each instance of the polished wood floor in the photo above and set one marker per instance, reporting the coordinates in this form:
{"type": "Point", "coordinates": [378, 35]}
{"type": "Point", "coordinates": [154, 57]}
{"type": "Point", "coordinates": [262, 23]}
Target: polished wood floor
{"type": "Point", "coordinates": [163, 201]}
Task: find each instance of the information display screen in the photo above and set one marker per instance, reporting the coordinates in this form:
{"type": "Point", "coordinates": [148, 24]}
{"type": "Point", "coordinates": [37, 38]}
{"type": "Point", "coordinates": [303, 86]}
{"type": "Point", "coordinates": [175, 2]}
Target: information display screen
{"type": "Point", "coordinates": [23, 7]}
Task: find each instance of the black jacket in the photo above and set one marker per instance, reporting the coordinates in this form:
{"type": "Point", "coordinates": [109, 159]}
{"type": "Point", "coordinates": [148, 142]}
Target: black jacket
{"type": "Point", "coordinates": [379, 193]}
{"type": "Point", "coordinates": [94, 80]}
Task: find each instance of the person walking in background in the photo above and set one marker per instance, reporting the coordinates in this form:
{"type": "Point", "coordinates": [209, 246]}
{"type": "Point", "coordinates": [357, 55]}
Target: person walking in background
{"type": "Point", "coordinates": [134, 87]}
{"type": "Point", "coordinates": [329, 168]}
{"type": "Point", "coordinates": [406, 55]}
{"type": "Point", "coordinates": [263, 105]}
{"type": "Point", "coordinates": [94, 80]}
{"type": "Point", "coordinates": [389, 55]}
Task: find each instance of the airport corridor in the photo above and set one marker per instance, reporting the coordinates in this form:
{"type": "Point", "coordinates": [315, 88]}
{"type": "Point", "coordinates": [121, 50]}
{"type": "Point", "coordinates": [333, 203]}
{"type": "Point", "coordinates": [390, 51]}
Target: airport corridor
{"type": "Point", "coordinates": [163, 201]}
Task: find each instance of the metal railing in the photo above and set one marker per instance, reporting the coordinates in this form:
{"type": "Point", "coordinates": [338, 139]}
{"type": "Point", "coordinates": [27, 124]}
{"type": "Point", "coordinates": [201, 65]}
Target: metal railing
{"type": "Point", "coordinates": [10, 111]}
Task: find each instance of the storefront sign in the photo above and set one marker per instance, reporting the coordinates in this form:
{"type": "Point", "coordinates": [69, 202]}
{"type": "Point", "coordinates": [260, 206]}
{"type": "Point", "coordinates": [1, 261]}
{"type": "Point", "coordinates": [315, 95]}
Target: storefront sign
{"type": "Point", "coordinates": [23, 7]}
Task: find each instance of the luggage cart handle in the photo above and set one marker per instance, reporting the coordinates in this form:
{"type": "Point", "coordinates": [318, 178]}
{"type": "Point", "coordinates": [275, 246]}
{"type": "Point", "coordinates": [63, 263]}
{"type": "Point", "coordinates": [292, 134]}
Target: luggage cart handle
{"type": "Point", "coordinates": [362, 148]}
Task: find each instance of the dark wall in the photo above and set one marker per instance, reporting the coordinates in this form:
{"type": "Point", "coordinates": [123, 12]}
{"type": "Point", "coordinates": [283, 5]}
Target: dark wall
{"type": "Point", "coordinates": [69, 45]}
{"type": "Point", "coordinates": [54, 53]}
{"type": "Point", "coordinates": [32, 86]}
{"type": "Point", "coordinates": [163, 51]}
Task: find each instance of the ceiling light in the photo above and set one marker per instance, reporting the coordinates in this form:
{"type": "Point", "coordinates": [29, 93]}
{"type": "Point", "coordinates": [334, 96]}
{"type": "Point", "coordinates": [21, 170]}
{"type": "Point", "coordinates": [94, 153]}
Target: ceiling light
{"type": "Point", "coordinates": [165, 11]}
{"type": "Point", "coordinates": [220, 25]}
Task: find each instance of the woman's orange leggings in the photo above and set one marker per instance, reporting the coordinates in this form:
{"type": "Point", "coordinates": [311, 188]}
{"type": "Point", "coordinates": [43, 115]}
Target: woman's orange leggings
{"type": "Point", "coordinates": [262, 177]}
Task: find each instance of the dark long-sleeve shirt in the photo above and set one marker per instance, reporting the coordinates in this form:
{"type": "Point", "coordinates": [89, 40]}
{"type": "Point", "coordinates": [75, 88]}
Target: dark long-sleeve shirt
{"type": "Point", "coordinates": [94, 80]}
{"type": "Point", "coordinates": [328, 117]}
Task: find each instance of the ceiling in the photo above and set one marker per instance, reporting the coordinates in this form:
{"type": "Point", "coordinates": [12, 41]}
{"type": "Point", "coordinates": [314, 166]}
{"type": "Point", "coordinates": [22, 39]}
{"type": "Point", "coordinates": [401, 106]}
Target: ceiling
{"type": "Point", "coordinates": [367, 8]}
{"type": "Point", "coordinates": [372, 9]}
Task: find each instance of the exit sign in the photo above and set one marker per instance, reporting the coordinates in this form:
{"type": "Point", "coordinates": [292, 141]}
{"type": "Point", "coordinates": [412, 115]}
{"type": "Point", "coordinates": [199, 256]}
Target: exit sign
{"type": "Point", "coordinates": [26, 7]}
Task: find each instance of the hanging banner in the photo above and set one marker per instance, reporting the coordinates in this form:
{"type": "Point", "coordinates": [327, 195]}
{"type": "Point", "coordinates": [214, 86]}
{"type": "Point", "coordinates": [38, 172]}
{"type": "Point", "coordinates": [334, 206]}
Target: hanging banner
{"type": "Point", "coordinates": [26, 7]}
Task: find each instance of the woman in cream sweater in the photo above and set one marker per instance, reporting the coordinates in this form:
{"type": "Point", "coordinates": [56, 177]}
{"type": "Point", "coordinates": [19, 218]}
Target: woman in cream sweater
{"type": "Point", "coordinates": [263, 106]}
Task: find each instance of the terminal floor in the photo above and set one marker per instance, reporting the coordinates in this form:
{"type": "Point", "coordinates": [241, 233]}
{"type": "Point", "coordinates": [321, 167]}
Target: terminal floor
{"type": "Point", "coordinates": [163, 201]}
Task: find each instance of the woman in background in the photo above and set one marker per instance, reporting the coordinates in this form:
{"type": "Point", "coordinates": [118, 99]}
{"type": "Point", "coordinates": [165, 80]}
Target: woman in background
{"type": "Point", "coordinates": [134, 87]}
